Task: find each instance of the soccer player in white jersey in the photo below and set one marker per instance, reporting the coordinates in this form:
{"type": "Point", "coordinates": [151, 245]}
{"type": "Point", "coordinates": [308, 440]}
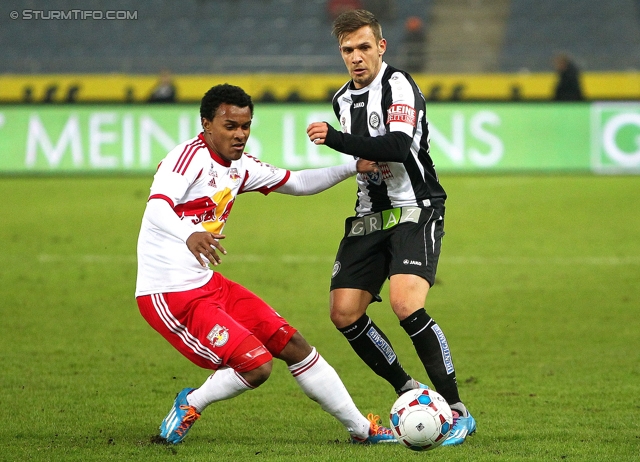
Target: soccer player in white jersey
{"type": "Point", "coordinates": [214, 322]}
{"type": "Point", "coordinates": [399, 223]}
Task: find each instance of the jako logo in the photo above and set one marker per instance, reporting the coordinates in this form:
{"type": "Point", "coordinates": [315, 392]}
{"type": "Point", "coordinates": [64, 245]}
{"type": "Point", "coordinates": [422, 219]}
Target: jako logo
{"type": "Point", "coordinates": [412, 262]}
{"type": "Point", "coordinates": [357, 105]}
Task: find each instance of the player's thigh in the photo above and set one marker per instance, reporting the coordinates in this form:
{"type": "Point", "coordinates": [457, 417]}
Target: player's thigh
{"type": "Point", "coordinates": [257, 316]}
{"type": "Point", "coordinates": [196, 327]}
{"type": "Point", "coordinates": [362, 262]}
{"type": "Point", "coordinates": [415, 247]}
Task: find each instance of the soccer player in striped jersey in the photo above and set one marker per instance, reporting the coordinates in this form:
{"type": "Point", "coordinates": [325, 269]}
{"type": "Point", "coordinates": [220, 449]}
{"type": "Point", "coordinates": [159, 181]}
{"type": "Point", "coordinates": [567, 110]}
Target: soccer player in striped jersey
{"type": "Point", "coordinates": [216, 323]}
{"type": "Point", "coordinates": [397, 231]}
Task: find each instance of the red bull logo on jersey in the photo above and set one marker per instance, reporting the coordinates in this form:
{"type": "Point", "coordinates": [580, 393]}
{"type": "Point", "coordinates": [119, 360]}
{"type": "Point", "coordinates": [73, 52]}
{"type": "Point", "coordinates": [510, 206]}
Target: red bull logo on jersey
{"type": "Point", "coordinates": [233, 174]}
{"type": "Point", "coordinates": [212, 212]}
{"type": "Point", "coordinates": [223, 201]}
{"type": "Point", "coordinates": [218, 336]}
{"type": "Point", "coordinates": [198, 210]}
{"type": "Point", "coordinates": [402, 113]}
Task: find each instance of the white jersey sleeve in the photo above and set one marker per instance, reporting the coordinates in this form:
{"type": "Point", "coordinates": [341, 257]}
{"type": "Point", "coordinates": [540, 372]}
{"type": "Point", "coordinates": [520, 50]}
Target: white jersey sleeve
{"type": "Point", "coordinates": [262, 177]}
{"type": "Point", "coordinates": [315, 180]}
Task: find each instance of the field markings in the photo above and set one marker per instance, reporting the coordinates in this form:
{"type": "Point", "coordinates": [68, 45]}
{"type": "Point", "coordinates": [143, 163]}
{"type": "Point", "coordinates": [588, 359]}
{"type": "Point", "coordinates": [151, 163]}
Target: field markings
{"type": "Point", "coordinates": [312, 259]}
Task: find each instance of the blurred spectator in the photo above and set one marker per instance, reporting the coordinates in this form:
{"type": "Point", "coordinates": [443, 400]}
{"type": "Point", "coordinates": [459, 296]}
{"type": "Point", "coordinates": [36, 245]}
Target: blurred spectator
{"type": "Point", "coordinates": [268, 96]}
{"type": "Point", "coordinates": [568, 87]}
{"type": "Point", "coordinates": [457, 92]}
{"type": "Point", "coordinates": [50, 93]}
{"type": "Point", "coordinates": [72, 94]}
{"type": "Point", "coordinates": [435, 93]}
{"type": "Point", "coordinates": [165, 90]}
{"type": "Point", "coordinates": [27, 95]}
{"type": "Point", "coordinates": [129, 95]}
{"type": "Point", "coordinates": [294, 97]}
{"type": "Point", "coordinates": [414, 46]}
{"type": "Point", "coordinates": [516, 93]}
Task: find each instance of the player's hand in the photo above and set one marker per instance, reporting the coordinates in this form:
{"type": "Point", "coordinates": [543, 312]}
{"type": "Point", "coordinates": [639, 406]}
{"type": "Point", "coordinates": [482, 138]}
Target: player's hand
{"type": "Point", "coordinates": [317, 132]}
{"type": "Point", "coordinates": [367, 166]}
{"type": "Point", "coordinates": [203, 245]}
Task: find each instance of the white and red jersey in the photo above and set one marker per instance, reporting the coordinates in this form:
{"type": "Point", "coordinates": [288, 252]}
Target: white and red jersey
{"type": "Point", "coordinates": [201, 187]}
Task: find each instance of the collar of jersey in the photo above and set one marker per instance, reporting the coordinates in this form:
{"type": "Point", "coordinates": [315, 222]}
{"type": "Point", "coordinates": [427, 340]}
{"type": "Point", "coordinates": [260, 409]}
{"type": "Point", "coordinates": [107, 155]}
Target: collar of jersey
{"type": "Point", "coordinates": [375, 82]}
{"type": "Point", "coordinates": [213, 154]}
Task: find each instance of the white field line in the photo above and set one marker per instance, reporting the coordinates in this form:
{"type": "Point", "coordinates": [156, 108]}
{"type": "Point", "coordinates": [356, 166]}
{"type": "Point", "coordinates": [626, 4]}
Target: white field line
{"type": "Point", "coordinates": [310, 259]}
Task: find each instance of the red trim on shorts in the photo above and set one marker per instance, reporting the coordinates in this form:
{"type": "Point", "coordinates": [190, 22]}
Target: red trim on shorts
{"type": "Point", "coordinates": [279, 340]}
{"type": "Point", "coordinates": [249, 355]}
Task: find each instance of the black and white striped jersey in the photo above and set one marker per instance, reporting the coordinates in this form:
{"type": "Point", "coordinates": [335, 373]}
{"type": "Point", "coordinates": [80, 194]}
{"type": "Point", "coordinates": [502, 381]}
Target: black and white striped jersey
{"type": "Point", "coordinates": [386, 122]}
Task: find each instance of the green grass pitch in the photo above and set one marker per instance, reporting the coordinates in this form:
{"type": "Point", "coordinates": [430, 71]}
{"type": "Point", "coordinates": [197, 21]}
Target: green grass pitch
{"type": "Point", "coordinates": [538, 292]}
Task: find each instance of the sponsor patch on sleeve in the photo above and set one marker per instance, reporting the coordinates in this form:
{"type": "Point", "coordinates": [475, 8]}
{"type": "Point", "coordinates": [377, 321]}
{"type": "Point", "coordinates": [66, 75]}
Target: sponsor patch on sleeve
{"type": "Point", "coordinates": [402, 113]}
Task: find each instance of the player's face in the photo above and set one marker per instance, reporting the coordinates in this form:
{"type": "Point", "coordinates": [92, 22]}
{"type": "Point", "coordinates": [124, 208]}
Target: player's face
{"type": "Point", "coordinates": [362, 54]}
{"type": "Point", "coordinates": [228, 132]}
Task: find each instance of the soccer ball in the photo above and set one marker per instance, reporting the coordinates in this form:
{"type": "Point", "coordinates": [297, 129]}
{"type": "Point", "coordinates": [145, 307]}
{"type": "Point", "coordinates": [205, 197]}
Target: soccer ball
{"type": "Point", "coordinates": [421, 419]}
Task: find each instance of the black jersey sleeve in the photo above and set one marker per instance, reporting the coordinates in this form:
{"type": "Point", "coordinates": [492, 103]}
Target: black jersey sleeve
{"type": "Point", "coordinates": [392, 147]}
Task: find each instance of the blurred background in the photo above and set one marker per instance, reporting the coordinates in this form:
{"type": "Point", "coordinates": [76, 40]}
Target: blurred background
{"type": "Point", "coordinates": [513, 85]}
{"type": "Point", "coordinates": [282, 50]}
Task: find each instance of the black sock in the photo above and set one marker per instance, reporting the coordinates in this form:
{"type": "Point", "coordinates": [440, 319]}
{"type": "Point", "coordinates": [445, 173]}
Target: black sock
{"type": "Point", "coordinates": [433, 350]}
{"type": "Point", "coordinates": [374, 348]}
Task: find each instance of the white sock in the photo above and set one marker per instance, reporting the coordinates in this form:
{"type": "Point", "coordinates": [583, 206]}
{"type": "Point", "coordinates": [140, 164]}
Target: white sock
{"type": "Point", "coordinates": [223, 384]}
{"type": "Point", "coordinates": [322, 384]}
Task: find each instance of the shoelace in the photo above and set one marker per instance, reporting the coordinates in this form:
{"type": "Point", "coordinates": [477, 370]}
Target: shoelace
{"type": "Point", "coordinates": [190, 417]}
{"type": "Point", "coordinates": [375, 425]}
{"type": "Point", "coordinates": [456, 417]}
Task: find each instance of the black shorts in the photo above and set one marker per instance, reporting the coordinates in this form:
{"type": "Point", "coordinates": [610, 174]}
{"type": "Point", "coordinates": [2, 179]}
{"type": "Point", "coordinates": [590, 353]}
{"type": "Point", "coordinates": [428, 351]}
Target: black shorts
{"type": "Point", "coordinates": [404, 240]}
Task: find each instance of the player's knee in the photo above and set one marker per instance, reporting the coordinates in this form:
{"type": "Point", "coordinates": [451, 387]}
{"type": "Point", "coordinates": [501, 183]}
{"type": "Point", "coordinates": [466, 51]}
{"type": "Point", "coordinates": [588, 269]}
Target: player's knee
{"type": "Point", "coordinates": [347, 306]}
{"type": "Point", "coordinates": [259, 375]}
{"type": "Point", "coordinates": [336, 315]}
{"type": "Point", "coordinates": [342, 316]}
{"type": "Point", "coordinates": [407, 294]}
{"type": "Point", "coordinates": [252, 361]}
{"type": "Point", "coordinates": [404, 308]}
{"type": "Point", "coordinates": [296, 350]}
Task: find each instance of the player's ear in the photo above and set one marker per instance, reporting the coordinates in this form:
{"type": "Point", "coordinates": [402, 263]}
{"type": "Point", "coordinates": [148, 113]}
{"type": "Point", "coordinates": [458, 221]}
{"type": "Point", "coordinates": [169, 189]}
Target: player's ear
{"type": "Point", "coordinates": [382, 46]}
{"type": "Point", "coordinates": [206, 123]}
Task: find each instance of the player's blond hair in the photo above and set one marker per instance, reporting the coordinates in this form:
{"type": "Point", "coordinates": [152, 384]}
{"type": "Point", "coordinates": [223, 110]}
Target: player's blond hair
{"type": "Point", "coordinates": [352, 20]}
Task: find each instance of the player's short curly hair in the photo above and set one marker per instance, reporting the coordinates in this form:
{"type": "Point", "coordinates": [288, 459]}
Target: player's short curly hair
{"type": "Point", "coordinates": [221, 94]}
{"type": "Point", "coordinates": [352, 20]}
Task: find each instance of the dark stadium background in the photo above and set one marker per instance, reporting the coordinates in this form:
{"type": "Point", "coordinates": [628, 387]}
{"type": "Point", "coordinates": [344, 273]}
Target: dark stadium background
{"type": "Point", "coordinates": [474, 49]}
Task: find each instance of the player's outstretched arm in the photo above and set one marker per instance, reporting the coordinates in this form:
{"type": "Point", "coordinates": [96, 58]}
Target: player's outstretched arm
{"type": "Point", "coordinates": [315, 180]}
{"type": "Point", "coordinates": [392, 147]}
